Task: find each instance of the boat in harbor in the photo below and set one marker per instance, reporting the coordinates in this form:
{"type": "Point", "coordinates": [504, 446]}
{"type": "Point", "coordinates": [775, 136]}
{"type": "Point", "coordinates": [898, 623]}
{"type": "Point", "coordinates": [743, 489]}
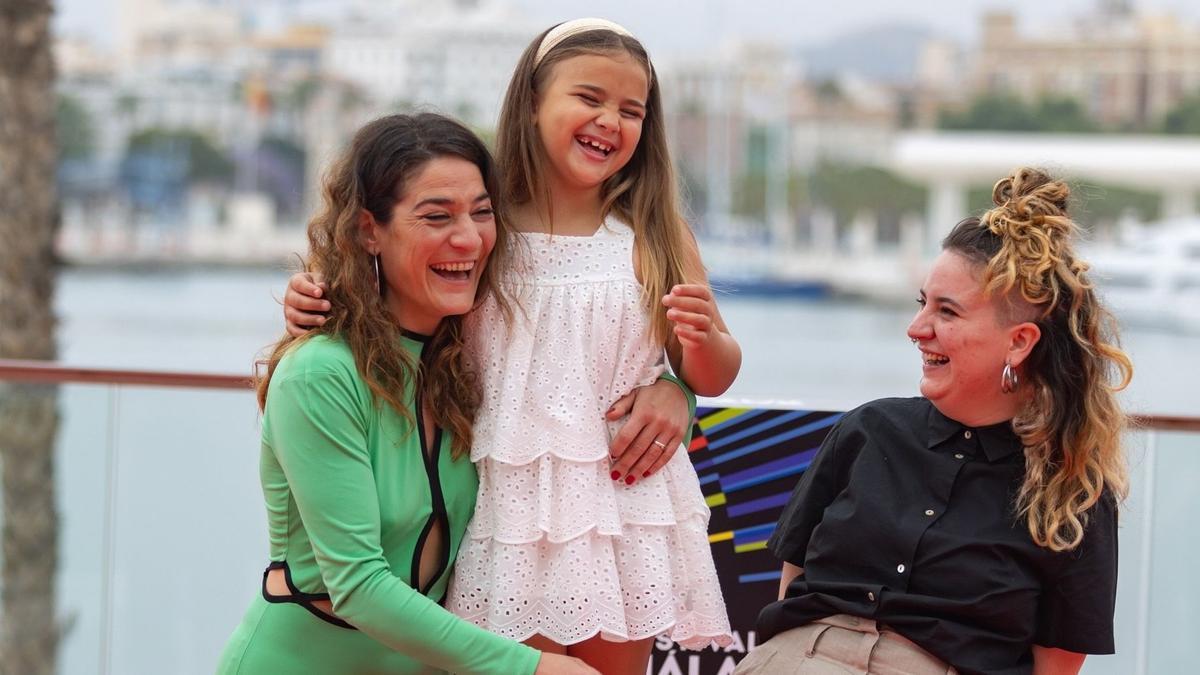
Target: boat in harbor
{"type": "Point", "coordinates": [770, 287]}
{"type": "Point", "coordinates": [755, 268]}
{"type": "Point", "coordinates": [1152, 276]}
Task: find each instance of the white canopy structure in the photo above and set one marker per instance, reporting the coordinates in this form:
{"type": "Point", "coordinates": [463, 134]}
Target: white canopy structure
{"type": "Point", "coordinates": [949, 162]}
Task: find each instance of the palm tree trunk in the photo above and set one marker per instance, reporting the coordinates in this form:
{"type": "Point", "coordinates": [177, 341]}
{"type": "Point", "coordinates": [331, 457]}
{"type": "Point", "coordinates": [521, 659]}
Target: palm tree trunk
{"type": "Point", "coordinates": [29, 631]}
{"type": "Point", "coordinates": [28, 413]}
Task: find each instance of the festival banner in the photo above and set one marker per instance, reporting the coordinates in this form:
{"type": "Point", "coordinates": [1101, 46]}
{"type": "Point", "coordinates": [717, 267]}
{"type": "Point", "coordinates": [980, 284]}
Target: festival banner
{"type": "Point", "coordinates": [748, 461]}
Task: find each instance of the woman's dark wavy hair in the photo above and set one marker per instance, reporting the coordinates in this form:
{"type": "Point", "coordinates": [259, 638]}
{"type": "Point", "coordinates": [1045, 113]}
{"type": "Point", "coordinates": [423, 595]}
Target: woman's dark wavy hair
{"type": "Point", "coordinates": [371, 176]}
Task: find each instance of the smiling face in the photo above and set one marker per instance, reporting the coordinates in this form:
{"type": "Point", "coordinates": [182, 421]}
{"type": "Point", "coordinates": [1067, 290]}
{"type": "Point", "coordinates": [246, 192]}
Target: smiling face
{"type": "Point", "coordinates": [433, 250]}
{"type": "Point", "coordinates": [964, 341]}
{"type": "Point", "coordinates": [589, 118]}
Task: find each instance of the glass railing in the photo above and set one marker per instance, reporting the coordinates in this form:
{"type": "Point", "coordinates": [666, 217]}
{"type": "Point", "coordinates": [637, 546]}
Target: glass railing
{"type": "Point", "coordinates": [162, 536]}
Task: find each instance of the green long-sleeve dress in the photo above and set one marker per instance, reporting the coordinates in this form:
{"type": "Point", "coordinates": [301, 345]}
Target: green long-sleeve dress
{"type": "Point", "coordinates": [351, 498]}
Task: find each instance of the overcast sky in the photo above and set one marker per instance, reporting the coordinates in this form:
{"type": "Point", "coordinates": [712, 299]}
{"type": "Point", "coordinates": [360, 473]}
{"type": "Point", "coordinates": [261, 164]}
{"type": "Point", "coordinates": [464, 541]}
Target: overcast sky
{"type": "Point", "coordinates": [693, 25]}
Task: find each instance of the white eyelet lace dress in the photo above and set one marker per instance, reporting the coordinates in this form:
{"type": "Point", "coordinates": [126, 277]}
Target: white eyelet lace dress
{"type": "Point", "coordinates": [556, 547]}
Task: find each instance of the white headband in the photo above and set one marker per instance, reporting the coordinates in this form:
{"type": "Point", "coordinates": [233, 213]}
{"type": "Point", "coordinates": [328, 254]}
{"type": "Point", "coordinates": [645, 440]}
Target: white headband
{"type": "Point", "coordinates": [574, 27]}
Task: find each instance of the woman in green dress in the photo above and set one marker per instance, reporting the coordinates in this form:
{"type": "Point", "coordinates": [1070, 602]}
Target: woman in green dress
{"type": "Point", "coordinates": [367, 422]}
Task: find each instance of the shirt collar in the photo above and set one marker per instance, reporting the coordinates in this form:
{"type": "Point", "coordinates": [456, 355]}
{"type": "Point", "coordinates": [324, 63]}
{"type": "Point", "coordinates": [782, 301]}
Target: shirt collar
{"type": "Point", "coordinates": [414, 342]}
{"type": "Point", "coordinates": [998, 440]}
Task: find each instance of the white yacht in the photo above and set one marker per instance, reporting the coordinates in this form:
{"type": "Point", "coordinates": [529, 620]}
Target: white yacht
{"type": "Point", "coordinates": [1152, 277]}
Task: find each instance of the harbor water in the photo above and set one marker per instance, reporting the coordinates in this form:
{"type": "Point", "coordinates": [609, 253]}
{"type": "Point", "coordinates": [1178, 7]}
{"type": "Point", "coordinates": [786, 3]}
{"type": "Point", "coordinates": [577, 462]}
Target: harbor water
{"type": "Point", "coordinates": [820, 352]}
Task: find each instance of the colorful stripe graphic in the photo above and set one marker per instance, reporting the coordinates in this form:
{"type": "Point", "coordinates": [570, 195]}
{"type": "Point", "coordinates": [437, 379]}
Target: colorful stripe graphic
{"type": "Point", "coordinates": [748, 464]}
{"type": "Point", "coordinates": [748, 461]}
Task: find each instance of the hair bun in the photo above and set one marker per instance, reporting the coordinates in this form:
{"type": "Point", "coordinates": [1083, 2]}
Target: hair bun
{"type": "Point", "coordinates": [1030, 195]}
{"type": "Point", "coordinates": [1035, 234]}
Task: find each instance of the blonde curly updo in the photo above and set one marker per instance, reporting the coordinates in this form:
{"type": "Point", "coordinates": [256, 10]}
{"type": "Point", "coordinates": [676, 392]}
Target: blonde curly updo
{"type": "Point", "coordinates": [1071, 423]}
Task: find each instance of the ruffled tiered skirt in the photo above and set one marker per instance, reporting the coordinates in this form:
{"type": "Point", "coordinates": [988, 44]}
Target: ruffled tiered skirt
{"type": "Point", "coordinates": [558, 548]}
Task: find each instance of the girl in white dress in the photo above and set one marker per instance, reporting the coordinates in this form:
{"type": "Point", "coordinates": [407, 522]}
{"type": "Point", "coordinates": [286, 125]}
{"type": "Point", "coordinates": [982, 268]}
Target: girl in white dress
{"type": "Point", "coordinates": [566, 551]}
{"type": "Point", "coordinates": [561, 551]}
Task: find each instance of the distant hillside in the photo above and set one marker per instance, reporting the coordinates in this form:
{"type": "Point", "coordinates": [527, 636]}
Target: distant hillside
{"type": "Point", "coordinates": [886, 53]}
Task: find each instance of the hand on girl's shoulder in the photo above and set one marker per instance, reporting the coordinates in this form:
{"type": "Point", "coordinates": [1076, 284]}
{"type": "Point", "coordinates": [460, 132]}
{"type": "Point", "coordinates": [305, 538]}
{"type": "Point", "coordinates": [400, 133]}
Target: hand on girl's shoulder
{"type": "Point", "coordinates": [304, 305]}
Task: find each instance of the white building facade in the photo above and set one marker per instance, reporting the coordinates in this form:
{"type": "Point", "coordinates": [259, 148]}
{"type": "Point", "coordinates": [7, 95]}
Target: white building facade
{"type": "Point", "coordinates": [450, 56]}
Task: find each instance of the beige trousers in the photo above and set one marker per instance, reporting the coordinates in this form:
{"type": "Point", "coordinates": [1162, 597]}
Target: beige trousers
{"type": "Point", "coordinates": [841, 645]}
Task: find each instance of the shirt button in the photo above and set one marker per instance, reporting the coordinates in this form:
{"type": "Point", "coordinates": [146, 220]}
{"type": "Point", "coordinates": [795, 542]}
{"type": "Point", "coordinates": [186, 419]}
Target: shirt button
{"type": "Point", "coordinates": [929, 512]}
{"type": "Point", "coordinates": [967, 434]}
{"type": "Point", "coordinates": [958, 455]}
{"type": "Point", "coordinates": [871, 596]}
{"type": "Point", "coordinates": [900, 568]}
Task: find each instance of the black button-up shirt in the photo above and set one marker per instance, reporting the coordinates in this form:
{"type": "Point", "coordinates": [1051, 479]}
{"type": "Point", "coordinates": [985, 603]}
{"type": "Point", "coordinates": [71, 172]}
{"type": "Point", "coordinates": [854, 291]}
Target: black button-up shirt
{"type": "Point", "coordinates": [906, 517]}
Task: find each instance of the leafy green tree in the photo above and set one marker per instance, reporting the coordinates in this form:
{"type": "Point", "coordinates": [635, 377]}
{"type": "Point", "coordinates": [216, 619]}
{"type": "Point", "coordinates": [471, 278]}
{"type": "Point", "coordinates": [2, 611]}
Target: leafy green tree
{"type": "Point", "coordinates": [127, 104]}
{"type": "Point", "coordinates": [993, 112]}
{"type": "Point", "coordinates": [1184, 118]}
{"type": "Point", "coordinates": [205, 162]}
{"type": "Point", "coordinates": [829, 91]}
{"type": "Point", "coordinates": [1091, 203]}
{"type": "Point", "coordinates": [1100, 203]}
{"type": "Point", "coordinates": [301, 94]}
{"type": "Point", "coordinates": [844, 189]}
{"type": "Point", "coordinates": [1063, 114]}
{"type": "Point", "coordinates": [750, 195]}
{"type": "Point", "coordinates": [847, 190]}
{"type": "Point", "coordinates": [758, 149]}
{"type": "Point", "coordinates": [76, 137]}
{"type": "Point", "coordinates": [1006, 112]}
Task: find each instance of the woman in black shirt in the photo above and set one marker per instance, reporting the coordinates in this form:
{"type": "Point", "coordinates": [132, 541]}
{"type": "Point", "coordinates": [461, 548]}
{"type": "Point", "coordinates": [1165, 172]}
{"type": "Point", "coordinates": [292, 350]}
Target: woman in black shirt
{"type": "Point", "coordinates": [971, 530]}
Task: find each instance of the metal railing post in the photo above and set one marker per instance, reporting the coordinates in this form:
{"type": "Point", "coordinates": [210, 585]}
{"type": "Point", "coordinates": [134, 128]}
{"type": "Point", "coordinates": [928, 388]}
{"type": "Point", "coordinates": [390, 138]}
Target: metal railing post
{"type": "Point", "coordinates": [1145, 575]}
{"type": "Point", "coordinates": [109, 541]}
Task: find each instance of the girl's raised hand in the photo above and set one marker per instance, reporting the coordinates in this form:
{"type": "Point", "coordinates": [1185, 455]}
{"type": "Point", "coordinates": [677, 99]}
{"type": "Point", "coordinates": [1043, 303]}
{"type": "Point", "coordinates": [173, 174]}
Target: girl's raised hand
{"type": "Point", "coordinates": [703, 354]}
{"type": "Point", "coordinates": [693, 310]}
{"type": "Point", "coordinates": [303, 306]}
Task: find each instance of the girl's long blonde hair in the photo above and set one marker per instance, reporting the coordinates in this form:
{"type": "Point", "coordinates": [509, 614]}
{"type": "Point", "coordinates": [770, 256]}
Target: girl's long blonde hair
{"type": "Point", "coordinates": [643, 193]}
{"type": "Point", "coordinates": [1071, 427]}
{"type": "Point", "coordinates": [370, 176]}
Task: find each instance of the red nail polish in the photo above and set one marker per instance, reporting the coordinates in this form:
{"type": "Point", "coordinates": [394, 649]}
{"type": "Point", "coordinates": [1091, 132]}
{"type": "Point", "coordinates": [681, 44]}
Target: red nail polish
{"type": "Point", "coordinates": [646, 475]}
{"type": "Point", "coordinates": [629, 479]}
{"type": "Point", "coordinates": [616, 475]}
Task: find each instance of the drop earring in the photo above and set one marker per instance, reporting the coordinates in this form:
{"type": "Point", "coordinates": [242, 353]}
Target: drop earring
{"type": "Point", "coordinates": [1009, 379]}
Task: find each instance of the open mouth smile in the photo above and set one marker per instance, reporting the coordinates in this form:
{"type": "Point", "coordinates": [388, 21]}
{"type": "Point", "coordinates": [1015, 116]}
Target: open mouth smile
{"type": "Point", "coordinates": [594, 146]}
{"type": "Point", "coordinates": [933, 359]}
{"type": "Point", "coordinates": [454, 271]}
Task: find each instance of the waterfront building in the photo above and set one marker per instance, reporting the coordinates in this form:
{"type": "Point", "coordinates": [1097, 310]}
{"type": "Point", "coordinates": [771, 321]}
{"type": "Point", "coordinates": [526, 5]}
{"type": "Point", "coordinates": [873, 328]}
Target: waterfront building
{"type": "Point", "coordinates": [164, 37]}
{"type": "Point", "coordinates": [1127, 69]}
{"type": "Point", "coordinates": [452, 56]}
{"type": "Point", "coordinates": [294, 54]}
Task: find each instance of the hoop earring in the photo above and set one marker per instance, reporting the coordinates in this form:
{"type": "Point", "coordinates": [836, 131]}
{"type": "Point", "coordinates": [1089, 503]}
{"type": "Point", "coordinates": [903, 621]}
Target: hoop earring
{"type": "Point", "coordinates": [378, 279]}
{"type": "Point", "coordinates": [1009, 379]}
